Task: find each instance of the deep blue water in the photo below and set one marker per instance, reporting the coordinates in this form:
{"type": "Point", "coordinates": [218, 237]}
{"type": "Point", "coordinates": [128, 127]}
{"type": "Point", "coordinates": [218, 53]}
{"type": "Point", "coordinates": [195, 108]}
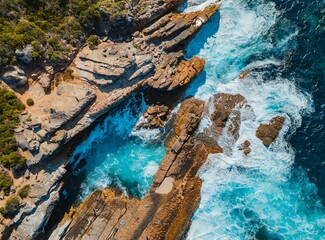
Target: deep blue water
{"type": "Point", "coordinates": [270, 194]}
{"type": "Point", "coordinates": [275, 192]}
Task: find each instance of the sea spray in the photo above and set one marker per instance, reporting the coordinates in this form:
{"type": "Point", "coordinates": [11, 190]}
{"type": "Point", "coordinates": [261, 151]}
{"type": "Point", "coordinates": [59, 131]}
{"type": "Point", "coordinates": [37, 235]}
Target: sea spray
{"type": "Point", "coordinates": [259, 196]}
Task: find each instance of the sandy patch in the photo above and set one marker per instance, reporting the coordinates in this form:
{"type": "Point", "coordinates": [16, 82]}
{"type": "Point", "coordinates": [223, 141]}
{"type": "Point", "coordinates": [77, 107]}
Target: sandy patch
{"type": "Point", "coordinates": [166, 186]}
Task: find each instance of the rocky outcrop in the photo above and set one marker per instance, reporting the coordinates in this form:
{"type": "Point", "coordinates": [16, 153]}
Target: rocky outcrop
{"type": "Point", "coordinates": [104, 77]}
{"type": "Point", "coordinates": [154, 55]}
{"type": "Point", "coordinates": [174, 31]}
{"type": "Point", "coordinates": [155, 116]}
{"type": "Point", "coordinates": [226, 109]}
{"type": "Point", "coordinates": [147, 12]}
{"type": "Point", "coordinates": [98, 80]}
{"type": "Point", "coordinates": [15, 77]}
{"type": "Point", "coordinates": [269, 132]}
{"type": "Point", "coordinates": [44, 121]}
{"type": "Point", "coordinates": [166, 210]}
{"type": "Point", "coordinates": [136, 15]}
{"type": "Point", "coordinates": [29, 223]}
{"type": "Point", "coordinates": [26, 54]}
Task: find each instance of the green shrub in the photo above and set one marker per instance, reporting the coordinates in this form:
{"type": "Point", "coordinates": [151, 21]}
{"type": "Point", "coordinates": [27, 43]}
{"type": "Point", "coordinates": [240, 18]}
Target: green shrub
{"type": "Point", "coordinates": [68, 22]}
{"type": "Point", "coordinates": [67, 75]}
{"type": "Point", "coordinates": [2, 211]}
{"type": "Point", "coordinates": [137, 46]}
{"type": "Point", "coordinates": [13, 159]}
{"type": "Point", "coordinates": [12, 204]}
{"type": "Point", "coordinates": [93, 41]}
{"type": "Point", "coordinates": [5, 183]}
{"type": "Point", "coordinates": [24, 191]}
{"type": "Point", "coordinates": [10, 108]}
{"type": "Point", "coordinates": [30, 102]}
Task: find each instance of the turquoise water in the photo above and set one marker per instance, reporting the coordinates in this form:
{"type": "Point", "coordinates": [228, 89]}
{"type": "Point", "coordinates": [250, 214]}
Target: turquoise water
{"type": "Point", "coordinates": [117, 154]}
{"type": "Point", "coordinates": [261, 196]}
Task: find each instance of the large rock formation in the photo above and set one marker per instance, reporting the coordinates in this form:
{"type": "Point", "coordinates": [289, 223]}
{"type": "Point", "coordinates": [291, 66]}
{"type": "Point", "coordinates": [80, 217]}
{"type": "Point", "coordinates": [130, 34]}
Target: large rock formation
{"type": "Point", "coordinates": [98, 80]}
{"type": "Point", "coordinates": [110, 73]}
{"type": "Point", "coordinates": [165, 212]}
{"type": "Point", "coordinates": [29, 223]}
{"type": "Point", "coordinates": [135, 15]}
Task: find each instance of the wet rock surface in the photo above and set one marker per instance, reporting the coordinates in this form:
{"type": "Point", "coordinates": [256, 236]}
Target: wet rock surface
{"type": "Point", "coordinates": [154, 117]}
{"type": "Point", "coordinates": [245, 147]}
{"type": "Point", "coordinates": [166, 210]}
{"type": "Point", "coordinates": [225, 109]}
{"type": "Point", "coordinates": [269, 132]}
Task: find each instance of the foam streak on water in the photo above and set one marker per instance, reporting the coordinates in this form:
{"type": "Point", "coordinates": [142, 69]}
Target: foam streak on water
{"type": "Point", "coordinates": [259, 196]}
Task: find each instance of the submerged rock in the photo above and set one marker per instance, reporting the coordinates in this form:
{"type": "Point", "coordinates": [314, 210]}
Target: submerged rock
{"type": "Point", "coordinates": [245, 147]}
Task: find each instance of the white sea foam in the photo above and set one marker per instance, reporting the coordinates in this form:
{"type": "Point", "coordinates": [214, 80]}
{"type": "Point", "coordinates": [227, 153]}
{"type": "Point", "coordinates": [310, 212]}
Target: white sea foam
{"type": "Point", "coordinates": [255, 196]}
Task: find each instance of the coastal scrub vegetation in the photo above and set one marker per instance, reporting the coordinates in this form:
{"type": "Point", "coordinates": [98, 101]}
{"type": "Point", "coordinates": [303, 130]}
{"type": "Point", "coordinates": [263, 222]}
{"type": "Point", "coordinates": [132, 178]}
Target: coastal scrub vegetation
{"type": "Point", "coordinates": [53, 28]}
{"type": "Point", "coordinates": [24, 191]}
{"type": "Point", "coordinates": [30, 102]}
{"type": "Point", "coordinates": [93, 41]}
{"type": "Point", "coordinates": [12, 204]}
{"type": "Point", "coordinates": [10, 108]}
{"type": "Point", "coordinates": [5, 183]}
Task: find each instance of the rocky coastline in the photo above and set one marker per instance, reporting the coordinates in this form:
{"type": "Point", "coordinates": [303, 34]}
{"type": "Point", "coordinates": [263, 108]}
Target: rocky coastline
{"type": "Point", "coordinates": [99, 79]}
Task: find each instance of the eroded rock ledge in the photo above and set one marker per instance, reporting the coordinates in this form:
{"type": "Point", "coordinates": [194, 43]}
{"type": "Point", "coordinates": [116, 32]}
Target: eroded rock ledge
{"type": "Point", "coordinates": [102, 78]}
{"type": "Point", "coordinates": [98, 80]}
{"type": "Point", "coordinates": [166, 210]}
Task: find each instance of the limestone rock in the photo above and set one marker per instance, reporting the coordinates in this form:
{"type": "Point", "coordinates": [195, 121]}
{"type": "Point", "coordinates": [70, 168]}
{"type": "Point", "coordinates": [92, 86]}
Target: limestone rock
{"type": "Point", "coordinates": [45, 80]}
{"type": "Point", "coordinates": [15, 77]}
{"type": "Point", "coordinates": [25, 54]}
{"type": "Point", "coordinates": [34, 146]}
